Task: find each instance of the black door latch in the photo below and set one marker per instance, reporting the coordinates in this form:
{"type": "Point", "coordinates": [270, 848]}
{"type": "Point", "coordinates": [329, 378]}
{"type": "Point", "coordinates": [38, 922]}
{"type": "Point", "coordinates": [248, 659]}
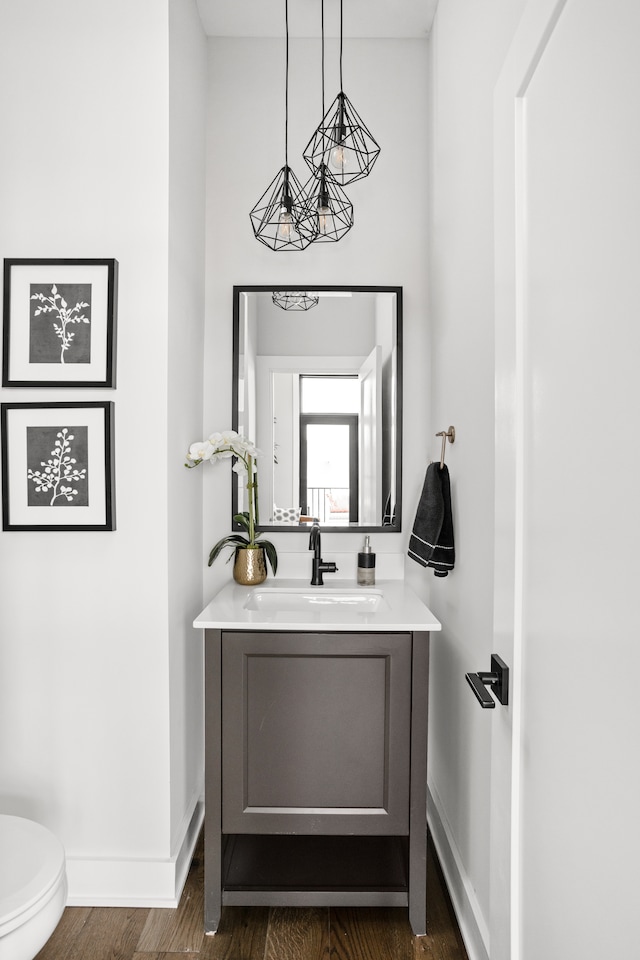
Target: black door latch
{"type": "Point", "coordinates": [497, 681]}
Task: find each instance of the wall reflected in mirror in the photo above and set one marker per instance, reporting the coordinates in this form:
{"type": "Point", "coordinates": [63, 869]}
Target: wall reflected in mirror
{"type": "Point", "coordinates": [318, 391]}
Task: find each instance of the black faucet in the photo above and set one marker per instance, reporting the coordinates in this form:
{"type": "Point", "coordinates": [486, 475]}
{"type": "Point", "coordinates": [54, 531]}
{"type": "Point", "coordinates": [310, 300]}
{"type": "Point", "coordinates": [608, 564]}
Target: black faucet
{"type": "Point", "coordinates": [318, 565]}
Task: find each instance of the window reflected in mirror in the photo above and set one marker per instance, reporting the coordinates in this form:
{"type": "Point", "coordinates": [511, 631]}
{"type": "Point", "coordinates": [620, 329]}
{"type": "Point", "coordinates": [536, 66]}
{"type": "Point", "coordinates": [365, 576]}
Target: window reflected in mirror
{"type": "Point", "coordinates": [329, 421]}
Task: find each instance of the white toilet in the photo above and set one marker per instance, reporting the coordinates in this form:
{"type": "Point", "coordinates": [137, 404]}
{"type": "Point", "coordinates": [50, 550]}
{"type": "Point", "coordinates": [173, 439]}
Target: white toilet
{"type": "Point", "coordinates": [33, 887]}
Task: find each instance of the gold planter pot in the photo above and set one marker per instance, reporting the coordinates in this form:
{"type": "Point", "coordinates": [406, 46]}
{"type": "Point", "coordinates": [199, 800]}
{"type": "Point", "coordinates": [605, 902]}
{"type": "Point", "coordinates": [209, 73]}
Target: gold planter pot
{"type": "Point", "coordinates": [249, 567]}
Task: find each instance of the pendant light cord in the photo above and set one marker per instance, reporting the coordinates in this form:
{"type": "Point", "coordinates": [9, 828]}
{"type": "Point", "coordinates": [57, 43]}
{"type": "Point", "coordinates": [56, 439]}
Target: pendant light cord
{"type": "Point", "coordinates": [286, 84]}
{"type": "Point", "coordinates": [322, 34]}
{"type": "Point", "coordinates": [341, 84]}
{"type": "Point", "coordinates": [323, 188]}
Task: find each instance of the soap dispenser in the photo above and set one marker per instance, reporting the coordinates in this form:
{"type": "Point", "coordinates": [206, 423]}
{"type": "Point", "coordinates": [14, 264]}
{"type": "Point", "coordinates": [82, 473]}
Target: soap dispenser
{"type": "Point", "coordinates": [366, 565]}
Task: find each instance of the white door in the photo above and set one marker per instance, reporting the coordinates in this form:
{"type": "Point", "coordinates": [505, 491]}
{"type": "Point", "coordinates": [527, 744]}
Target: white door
{"type": "Point", "coordinates": [370, 440]}
{"type": "Point", "coordinates": [565, 798]}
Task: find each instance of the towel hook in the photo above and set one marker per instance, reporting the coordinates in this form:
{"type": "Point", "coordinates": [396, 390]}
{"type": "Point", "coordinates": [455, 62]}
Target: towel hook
{"type": "Point", "coordinates": [449, 435]}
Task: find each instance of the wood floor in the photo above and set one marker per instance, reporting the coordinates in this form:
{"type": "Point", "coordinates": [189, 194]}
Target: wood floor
{"type": "Point", "coordinates": [258, 933]}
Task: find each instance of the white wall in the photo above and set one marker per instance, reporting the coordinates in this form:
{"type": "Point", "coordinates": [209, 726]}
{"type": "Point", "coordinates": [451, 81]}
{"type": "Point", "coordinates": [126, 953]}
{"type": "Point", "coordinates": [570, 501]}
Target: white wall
{"type": "Point", "coordinates": [469, 42]}
{"type": "Point", "coordinates": [187, 146]}
{"type": "Point", "coordinates": [387, 245]}
{"type": "Point", "coordinates": [93, 726]}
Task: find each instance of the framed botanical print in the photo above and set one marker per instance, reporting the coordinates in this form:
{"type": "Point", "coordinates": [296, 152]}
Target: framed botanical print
{"type": "Point", "coordinates": [59, 323]}
{"type": "Point", "coordinates": [57, 466]}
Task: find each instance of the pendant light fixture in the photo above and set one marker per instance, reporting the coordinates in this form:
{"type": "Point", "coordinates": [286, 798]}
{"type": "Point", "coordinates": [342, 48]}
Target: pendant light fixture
{"type": "Point", "coordinates": [342, 142]}
{"type": "Point", "coordinates": [326, 209]}
{"type": "Point", "coordinates": [294, 299]}
{"type": "Point", "coordinates": [276, 216]}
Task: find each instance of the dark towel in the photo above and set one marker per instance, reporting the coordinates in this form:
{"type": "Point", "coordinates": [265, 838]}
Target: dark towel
{"type": "Point", "coordinates": [431, 542]}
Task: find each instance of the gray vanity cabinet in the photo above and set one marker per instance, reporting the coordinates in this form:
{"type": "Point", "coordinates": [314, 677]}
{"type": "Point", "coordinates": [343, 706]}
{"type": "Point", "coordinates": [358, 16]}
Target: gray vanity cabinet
{"type": "Point", "coordinates": [315, 736]}
{"type": "Point", "coordinates": [316, 770]}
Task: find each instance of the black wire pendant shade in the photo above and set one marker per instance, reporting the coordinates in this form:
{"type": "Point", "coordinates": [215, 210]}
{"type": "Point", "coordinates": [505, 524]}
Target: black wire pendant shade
{"type": "Point", "coordinates": [342, 141]}
{"type": "Point", "coordinates": [294, 299]}
{"type": "Point", "coordinates": [326, 209]}
{"type": "Point", "coordinates": [276, 216]}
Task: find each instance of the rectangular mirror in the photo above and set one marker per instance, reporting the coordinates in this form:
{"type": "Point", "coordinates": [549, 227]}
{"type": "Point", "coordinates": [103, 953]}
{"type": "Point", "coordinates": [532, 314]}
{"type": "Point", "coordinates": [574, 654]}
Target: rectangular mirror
{"type": "Point", "coordinates": [317, 386]}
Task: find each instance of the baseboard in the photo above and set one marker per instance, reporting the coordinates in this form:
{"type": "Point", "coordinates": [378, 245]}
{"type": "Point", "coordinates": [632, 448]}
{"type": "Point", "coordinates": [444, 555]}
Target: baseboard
{"type": "Point", "coordinates": [471, 920]}
{"type": "Point", "coordinates": [190, 833]}
{"type": "Point", "coordinates": [135, 883]}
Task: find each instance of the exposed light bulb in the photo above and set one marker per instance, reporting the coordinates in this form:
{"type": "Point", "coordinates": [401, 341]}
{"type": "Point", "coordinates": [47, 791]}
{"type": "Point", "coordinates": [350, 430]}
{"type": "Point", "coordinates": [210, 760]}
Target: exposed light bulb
{"type": "Point", "coordinates": [285, 225]}
{"type": "Point", "coordinates": [338, 158]}
{"type": "Point", "coordinates": [324, 218]}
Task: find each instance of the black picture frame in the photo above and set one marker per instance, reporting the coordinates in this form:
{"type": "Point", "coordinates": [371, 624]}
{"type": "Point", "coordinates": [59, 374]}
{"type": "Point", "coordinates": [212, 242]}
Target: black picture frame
{"type": "Point", "coordinates": [57, 466]}
{"type": "Point", "coordinates": [59, 323]}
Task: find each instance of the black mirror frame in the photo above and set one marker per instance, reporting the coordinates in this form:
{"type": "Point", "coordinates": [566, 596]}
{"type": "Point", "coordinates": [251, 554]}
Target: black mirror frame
{"type": "Point", "coordinates": [396, 525]}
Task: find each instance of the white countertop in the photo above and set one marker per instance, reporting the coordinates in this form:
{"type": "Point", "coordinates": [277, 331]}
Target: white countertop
{"type": "Point", "coordinates": [400, 609]}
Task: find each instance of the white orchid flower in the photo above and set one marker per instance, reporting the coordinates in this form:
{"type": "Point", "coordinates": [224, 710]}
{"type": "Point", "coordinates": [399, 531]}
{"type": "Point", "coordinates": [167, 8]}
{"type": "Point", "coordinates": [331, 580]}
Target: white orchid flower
{"type": "Point", "coordinates": [229, 437]}
{"type": "Point", "coordinates": [222, 446]}
{"type": "Point", "coordinates": [201, 450]}
{"type": "Point", "coordinates": [252, 450]}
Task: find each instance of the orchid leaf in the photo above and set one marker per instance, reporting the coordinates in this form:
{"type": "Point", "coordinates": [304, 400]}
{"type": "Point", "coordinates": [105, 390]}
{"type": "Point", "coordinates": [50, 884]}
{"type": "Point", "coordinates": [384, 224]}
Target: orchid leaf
{"type": "Point", "coordinates": [233, 540]}
{"type": "Point", "coordinates": [243, 519]}
{"type": "Point", "coordinates": [271, 553]}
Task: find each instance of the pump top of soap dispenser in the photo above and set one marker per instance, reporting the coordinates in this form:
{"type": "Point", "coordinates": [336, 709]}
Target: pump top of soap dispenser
{"type": "Point", "coordinates": [367, 545]}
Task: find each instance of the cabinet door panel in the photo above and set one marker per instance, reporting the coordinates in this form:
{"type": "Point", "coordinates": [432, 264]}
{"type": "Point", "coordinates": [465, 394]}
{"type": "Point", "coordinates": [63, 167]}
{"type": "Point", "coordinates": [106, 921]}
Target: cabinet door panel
{"type": "Point", "coordinates": [316, 733]}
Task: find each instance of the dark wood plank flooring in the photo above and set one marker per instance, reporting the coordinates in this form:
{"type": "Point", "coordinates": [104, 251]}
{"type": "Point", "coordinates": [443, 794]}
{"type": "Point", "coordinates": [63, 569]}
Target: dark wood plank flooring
{"type": "Point", "coordinates": [258, 933]}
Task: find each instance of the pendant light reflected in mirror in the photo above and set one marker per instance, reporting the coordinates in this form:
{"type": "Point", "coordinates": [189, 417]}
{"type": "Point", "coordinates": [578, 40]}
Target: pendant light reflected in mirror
{"type": "Point", "coordinates": [342, 142]}
{"type": "Point", "coordinates": [276, 216]}
{"type": "Point", "coordinates": [294, 300]}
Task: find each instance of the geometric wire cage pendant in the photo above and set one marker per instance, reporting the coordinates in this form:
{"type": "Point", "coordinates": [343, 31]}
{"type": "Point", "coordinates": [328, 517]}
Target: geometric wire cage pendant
{"type": "Point", "coordinates": [326, 210]}
{"type": "Point", "coordinates": [275, 217]}
{"type": "Point", "coordinates": [343, 143]}
{"type": "Point", "coordinates": [294, 299]}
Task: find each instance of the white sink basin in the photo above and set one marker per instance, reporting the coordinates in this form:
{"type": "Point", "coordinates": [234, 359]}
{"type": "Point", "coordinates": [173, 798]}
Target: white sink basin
{"type": "Point", "coordinates": [310, 599]}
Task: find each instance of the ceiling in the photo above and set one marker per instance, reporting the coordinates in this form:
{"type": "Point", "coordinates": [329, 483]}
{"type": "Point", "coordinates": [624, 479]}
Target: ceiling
{"type": "Point", "coordinates": [361, 18]}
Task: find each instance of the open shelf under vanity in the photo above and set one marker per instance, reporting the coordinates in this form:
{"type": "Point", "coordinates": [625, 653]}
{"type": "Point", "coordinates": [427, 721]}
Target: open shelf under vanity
{"type": "Point", "coordinates": [272, 870]}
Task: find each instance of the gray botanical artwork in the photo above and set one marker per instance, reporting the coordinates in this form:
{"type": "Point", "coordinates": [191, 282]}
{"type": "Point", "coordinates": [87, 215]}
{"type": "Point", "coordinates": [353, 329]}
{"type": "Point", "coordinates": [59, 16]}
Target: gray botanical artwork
{"type": "Point", "coordinates": [57, 466]}
{"type": "Point", "coordinates": [60, 323]}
